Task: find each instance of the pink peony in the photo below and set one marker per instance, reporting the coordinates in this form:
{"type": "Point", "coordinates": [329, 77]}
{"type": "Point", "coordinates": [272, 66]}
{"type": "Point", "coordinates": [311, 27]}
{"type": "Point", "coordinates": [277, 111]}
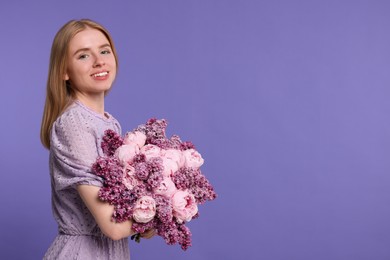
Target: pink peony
{"type": "Point", "coordinates": [151, 151]}
{"type": "Point", "coordinates": [170, 167]}
{"type": "Point", "coordinates": [193, 159]}
{"type": "Point", "coordinates": [172, 161]}
{"type": "Point", "coordinates": [175, 155]}
{"type": "Point", "coordinates": [144, 209]}
{"type": "Point", "coordinates": [135, 137]}
{"type": "Point", "coordinates": [166, 188]}
{"type": "Point", "coordinates": [184, 206]}
{"type": "Point", "coordinates": [126, 153]}
{"type": "Point", "coordinates": [129, 178]}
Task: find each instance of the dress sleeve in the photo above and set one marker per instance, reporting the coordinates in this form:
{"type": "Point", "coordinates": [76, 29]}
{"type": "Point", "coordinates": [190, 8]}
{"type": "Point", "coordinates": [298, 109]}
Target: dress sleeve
{"type": "Point", "coordinates": [74, 148]}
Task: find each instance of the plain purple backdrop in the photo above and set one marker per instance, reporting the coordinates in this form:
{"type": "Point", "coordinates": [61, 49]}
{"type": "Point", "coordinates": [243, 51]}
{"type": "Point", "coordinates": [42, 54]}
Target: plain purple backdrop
{"type": "Point", "coordinates": [287, 101]}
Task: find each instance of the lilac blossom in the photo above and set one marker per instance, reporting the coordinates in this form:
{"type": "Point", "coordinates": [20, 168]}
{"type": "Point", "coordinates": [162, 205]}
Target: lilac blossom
{"type": "Point", "coordinates": [184, 237]}
{"type": "Point", "coordinates": [187, 145]}
{"type": "Point", "coordinates": [142, 227]}
{"type": "Point", "coordinates": [142, 170]}
{"type": "Point", "coordinates": [164, 209]}
{"type": "Point", "coordinates": [111, 141]}
{"type": "Point", "coordinates": [110, 169]}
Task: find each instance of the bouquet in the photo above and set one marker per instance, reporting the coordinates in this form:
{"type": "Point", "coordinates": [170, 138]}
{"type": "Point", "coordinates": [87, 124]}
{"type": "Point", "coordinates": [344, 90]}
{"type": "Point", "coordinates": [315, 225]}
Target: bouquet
{"type": "Point", "coordinates": [153, 180]}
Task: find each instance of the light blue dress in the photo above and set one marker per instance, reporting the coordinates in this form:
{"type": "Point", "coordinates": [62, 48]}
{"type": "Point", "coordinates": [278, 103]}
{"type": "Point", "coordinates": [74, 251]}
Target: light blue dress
{"type": "Point", "coordinates": [75, 144]}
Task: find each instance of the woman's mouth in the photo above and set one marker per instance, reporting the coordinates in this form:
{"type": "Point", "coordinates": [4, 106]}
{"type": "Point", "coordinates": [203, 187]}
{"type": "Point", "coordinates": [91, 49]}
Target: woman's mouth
{"type": "Point", "coordinates": [100, 74]}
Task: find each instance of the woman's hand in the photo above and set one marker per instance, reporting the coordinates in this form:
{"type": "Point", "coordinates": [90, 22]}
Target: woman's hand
{"type": "Point", "coordinates": [148, 233]}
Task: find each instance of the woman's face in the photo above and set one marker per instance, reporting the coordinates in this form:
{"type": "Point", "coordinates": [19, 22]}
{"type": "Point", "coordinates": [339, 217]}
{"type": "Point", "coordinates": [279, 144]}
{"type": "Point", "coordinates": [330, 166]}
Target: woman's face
{"type": "Point", "coordinates": [91, 67]}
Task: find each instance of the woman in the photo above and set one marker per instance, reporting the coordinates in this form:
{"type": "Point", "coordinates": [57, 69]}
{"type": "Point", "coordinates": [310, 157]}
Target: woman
{"type": "Point", "coordinates": [83, 65]}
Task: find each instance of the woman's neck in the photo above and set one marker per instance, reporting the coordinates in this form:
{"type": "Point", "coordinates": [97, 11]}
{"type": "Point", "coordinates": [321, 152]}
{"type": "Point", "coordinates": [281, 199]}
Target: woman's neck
{"type": "Point", "coordinates": [96, 103]}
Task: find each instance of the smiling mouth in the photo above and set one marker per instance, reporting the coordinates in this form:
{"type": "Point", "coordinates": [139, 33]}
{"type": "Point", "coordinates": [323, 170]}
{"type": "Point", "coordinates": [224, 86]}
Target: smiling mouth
{"type": "Point", "coordinates": [100, 74]}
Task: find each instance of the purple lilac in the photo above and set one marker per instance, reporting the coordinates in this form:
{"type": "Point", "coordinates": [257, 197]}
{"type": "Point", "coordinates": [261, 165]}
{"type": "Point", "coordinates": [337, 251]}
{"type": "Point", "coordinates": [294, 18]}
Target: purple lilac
{"type": "Point", "coordinates": [196, 215]}
{"type": "Point", "coordinates": [110, 194]}
{"type": "Point", "coordinates": [142, 170]}
{"type": "Point", "coordinates": [139, 190]}
{"type": "Point", "coordinates": [202, 189]}
{"type": "Point", "coordinates": [154, 180]}
{"type": "Point", "coordinates": [169, 232]}
{"type": "Point", "coordinates": [139, 158]}
{"type": "Point", "coordinates": [110, 169]}
{"type": "Point", "coordinates": [204, 194]}
{"type": "Point", "coordinates": [184, 236]}
{"type": "Point", "coordinates": [196, 182]}
{"type": "Point", "coordinates": [183, 178]}
{"type": "Point", "coordinates": [155, 169]}
{"type": "Point", "coordinates": [174, 233]}
{"type": "Point", "coordinates": [175, 142]}
{"type": "Point", "coordinates": [122, 212]}
{"type": "Point", "coordinates": [163, 208]}
{"type": "Point", "coordinates": [155, 132]}
{"type": "Point", "coordinates": [142, 227]}
{"type": "Point", "coordinates": [155, 164]}
{"type": "Point", "coordinates": [111, 141]}
{"type": "Point", "coordinates": [156, 128]}
{"type": "Point", "coordinates": [187, 145]}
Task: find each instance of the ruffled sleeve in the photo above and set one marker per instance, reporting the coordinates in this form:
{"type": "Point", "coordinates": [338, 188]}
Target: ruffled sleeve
{"type": "Point", "coordinates": [75, 145]}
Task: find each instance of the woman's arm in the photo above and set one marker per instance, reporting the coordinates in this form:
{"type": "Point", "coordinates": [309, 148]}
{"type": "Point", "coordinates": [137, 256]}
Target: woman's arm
{"type": "Point", "coordinates": [102, 212]}
{"type": "Point", "coordinates": [73, 145]}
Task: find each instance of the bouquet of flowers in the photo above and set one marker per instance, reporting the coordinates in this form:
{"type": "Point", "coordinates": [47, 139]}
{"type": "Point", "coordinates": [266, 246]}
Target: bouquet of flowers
{"type": "Point", "coordinates": [153, 180]}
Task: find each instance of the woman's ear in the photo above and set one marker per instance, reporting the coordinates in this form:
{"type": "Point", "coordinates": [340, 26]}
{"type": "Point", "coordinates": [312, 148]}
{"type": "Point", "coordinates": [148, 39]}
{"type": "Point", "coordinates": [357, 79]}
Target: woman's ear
{"type": "Point", "coordinates": [66, 77]}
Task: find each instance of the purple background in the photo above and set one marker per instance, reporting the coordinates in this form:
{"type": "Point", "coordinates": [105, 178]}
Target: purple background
{"type": "Point", "coordinates": [288, 102]}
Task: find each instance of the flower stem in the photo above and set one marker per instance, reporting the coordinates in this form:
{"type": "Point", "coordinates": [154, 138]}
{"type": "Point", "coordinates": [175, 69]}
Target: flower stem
{"type": "Point", "coordinates": [136, 237]}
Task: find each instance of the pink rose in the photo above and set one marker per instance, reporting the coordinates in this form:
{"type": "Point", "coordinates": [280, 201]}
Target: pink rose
{"type": "Point", "coordinates": [193, 159]}
{"type": "Point", "coordinates": [167, 188]}
{"type": "Point", "coordinates": [144, 209]}
{"type": "Point", "coordinates": [129, 178]}
{"type": "Point", "coordinates": [184, 206]}
{"type": "Point", "coordinates": [151, 151]}
{"type": "Point", "coordinates": [126, 153]}
{"type": "Point", "coordinates": [135, 137]}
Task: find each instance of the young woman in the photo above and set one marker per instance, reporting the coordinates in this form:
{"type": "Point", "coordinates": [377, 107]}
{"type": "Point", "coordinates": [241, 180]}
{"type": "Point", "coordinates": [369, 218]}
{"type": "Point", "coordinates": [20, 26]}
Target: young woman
{"type": "Point", "coordinates": [83, 65]}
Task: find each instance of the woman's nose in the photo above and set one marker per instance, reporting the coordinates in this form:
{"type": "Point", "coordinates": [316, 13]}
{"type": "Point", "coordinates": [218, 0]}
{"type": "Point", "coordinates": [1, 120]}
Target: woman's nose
{"type": "Point", "coordinates": [98, 61]}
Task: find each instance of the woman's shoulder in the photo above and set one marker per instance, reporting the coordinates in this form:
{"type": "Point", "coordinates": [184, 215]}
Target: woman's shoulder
{"type": "Point", "coordinates": [72, 114]}
{"type": "Point", "coordinates": [78, 117]}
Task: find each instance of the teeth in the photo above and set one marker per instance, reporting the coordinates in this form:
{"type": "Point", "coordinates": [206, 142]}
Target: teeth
{"type": "Point", "coordinates": [101, 74]}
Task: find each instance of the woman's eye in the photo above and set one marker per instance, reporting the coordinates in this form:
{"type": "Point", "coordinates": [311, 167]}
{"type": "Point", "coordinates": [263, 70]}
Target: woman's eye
{"type": "Point", "coordinates": [83, 56]}
{"type": "Point", "coordinates": [105, 52]}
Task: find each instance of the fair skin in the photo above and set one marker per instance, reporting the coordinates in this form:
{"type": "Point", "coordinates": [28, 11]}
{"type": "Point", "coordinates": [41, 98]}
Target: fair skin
{"type": "Point", "coordinates": [91, 67]}
{"type": "Point", "coordinates": [91, 71]}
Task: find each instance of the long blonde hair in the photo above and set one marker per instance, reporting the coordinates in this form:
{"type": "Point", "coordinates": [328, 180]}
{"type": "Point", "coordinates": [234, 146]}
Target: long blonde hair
{"type": "Point", "coordinates": [59, 93]}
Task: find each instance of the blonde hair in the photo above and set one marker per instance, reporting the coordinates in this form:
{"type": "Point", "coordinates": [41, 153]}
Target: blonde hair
{"type": "Point", "coordinates": [59, 93]}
